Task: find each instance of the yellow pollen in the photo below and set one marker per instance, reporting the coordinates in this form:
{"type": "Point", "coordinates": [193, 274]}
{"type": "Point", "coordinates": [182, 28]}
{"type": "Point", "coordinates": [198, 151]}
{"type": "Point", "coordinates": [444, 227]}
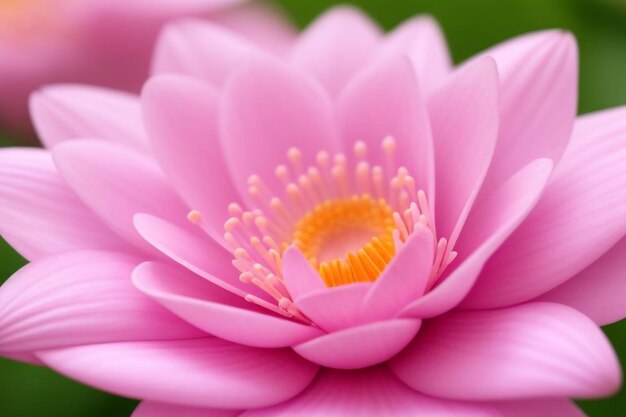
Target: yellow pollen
{"type": "Point", "coordinates": [347, 240]}
{"type": "Point", "coordinates": [347, 214]}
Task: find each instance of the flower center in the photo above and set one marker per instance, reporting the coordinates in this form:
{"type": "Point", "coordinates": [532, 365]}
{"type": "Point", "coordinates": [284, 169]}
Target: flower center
{"type": "Point", "coordinates": [347, 240]}
{"type": "Point", "coordinates": [349, 218]}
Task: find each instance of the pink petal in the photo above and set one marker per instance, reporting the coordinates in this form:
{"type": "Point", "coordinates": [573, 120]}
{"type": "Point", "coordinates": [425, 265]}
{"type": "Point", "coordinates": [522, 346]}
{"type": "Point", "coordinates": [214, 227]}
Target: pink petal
{"type": "Point", "coordinates": [599, 290]}
{"type": "Point", "coordinates": [300, 278]}
{"type": "Point", "coordinates": [371, 392]}
{"type": "Point", "coordinates": [202, 256]}
{"type": "Point", "coordinates": [464, 119]}
{"type": "Point", "coordinates": [336, 46]}
{"type": "Point", "coordinates": [491, 221]}
{"type": "Point", "coordinates": [581, 215]}
{"type": "Point", "coordinates": [116, 183]}
{"type": "Point", "coordinates": [25, 357]}
{"type": "Point", "coordinates": [67, 112]}
{"type": "Point", "coordinates": [261, 23]}
{"type": "Point", "coordinates": [40, 215]}
{"type": "Point", "coordinates": [384, 100]}
{"type": "Point", "coordinates": [207, 372]}
{"type": "Point", "coordinates": [181, 118]}
{"type": "Point", "coordinates": [216, 311]}
{"type": "Point", "coordinates": [155, 409]}
{"type": "Point", "coordinates": [422, 41]}
{"type": "Point", "coordinates": [530, 350]}
{"type": "Point", "coordinates": [538, 84]}
{"type": "Point", "coordinates": [507, 205]}
{"type": "Point", "coordinates": [256, 136]}
{"type": "Point", "coordinates": [335, 308]}
{"type": "Point", "coordinates": [539, 408]}
{"type": "Point", "coordinates": [362, 346]}
{"type": "Point", "coordinates": [202, 50]}
{"type": "Point", "coordinates": [404, 279]}
{"type": "Point", "coordinates": [79, 298]}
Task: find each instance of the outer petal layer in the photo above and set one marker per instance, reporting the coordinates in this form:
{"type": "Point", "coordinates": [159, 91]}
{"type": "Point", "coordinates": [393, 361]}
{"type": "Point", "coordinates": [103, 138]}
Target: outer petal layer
{"type": "Point", "coordinates": [539, 408]}
{"type": "Point", "coordinates": [67, 112]}
{"type": "Point", "coordinates": [117, 183]}
{"type": "Point", "coordinates": [580, 216]}
{"type": "Point", "coordinates": [40, 215]}
{"type": "Point", "coordinates": [206, 372]}
{"type": "Point", "coordinates": [80, 298]}
{"type": "Point", "coordinates": [154, 409]}
{"type": "Point", "coordinates": [599, 290]}
{"type": "Point", "coordinates": [538, 84]}
{"type": "Point", "coordinates": [531, 350]}
{"type": "Point", "coordinates": [372, 392]}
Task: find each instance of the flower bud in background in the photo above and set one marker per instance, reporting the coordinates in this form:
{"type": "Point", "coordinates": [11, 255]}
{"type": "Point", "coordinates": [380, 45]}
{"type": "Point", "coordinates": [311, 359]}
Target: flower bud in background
{"type": "Point", "coordinates": [103, 42]}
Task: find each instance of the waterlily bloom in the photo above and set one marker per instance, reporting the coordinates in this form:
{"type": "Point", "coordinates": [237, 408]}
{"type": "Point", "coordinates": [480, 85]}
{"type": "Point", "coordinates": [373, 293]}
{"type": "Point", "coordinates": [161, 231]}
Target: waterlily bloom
{"type": "Point", "coordinates": [102, 42]}
{"type": "Point", "coordinates": [356, 228]}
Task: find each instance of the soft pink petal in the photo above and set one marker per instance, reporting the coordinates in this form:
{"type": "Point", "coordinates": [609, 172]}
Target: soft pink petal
{"type": "Point", "coordinates": [464, 120]}
{"type": "Point", "coordinates": [202, 50]}
{"type": "Point", "coordinates": [581, 215]}
{"type": "Point", "coordinates": [260, 23]}
{"type": "Point", "coordinates": [491, 221]}
{"type": "Point", "coordinates": [335, 308]}
{"type": "Point", "coordinates": [372, 392]}
{"type": "Point", "coordinates": [207, 372]}
{"type": "Point", "coordinates": [336, 46]}
{"type": "Point", "coordinates": [79, 298]}
{"type": "Point", "coordinates": [202, 256]}
{"type": "Point", "coordinates": [599, 290]}
{"type": "Point", "coordinates": [256, 135]}
{"type": "Point", "coordinates": [181, 118]}
{"type": "Point", "coordinates": [116, 183]}
{"type": "Point", "coordinates": [40, 215]}
{"type": "Point", "coordinates": [421, 40]}
{"type": "Point", "coordinates": [216, 311]}
{"type": "Point", "coordinates": [385, 100]}
{"type": "Point", "coordinates": [67, 112]}
{"type": "Point", "coordinates": [300, 278]}
{"type": "Point", "coordinates": [530, 350]}
{"type": "Point", "coordinates": [155, 409]}
{"type": "Point", "coordinates": [362, 346]}
{"type": "Point", "coordinates": [539, 90]}
{"type": "Point", "coordinates": [25, 357]}
{"type": "Point", "coordinates": [404, 279]}
{"type": "Point", "coordinates": [505, 206]}
{"type": "Point", "coordinates": [170, 8]}
{"type": "Point", "coordinates": [539, 408]}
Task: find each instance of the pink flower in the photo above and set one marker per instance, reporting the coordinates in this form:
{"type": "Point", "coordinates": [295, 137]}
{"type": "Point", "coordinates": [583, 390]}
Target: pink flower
{"type": "Point", "coordinates": [102, 42]}
{"type": "Point", "coordinates": [355, 229]}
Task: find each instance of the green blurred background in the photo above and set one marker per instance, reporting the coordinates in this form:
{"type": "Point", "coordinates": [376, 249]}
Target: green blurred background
{"type": "Point", "coordinates": [470, 26]}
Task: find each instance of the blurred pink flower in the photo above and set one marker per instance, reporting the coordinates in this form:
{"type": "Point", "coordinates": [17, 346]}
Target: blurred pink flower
{"type": "Point", "coordinates": [354, 229]}
{"type": "Point", "coordinates": [102, 42]}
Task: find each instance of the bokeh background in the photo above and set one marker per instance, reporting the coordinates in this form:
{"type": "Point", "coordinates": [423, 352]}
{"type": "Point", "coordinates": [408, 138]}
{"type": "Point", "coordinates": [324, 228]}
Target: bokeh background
{"type": "Point", "coordinates": [470, 26]}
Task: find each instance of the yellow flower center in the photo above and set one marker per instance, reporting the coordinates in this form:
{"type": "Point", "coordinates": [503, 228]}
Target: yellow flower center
{"type": "Point", "coordinates": [347, 240]}
{"type": "Point", "coordinates": [347, 216]}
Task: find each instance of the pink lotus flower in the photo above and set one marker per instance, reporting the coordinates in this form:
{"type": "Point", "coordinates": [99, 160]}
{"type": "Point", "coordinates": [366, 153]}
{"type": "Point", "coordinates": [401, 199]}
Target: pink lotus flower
{"type": "Point", "coordinates": [103, 42]}
{"type": "Point", "coordinates": [355, 229]}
